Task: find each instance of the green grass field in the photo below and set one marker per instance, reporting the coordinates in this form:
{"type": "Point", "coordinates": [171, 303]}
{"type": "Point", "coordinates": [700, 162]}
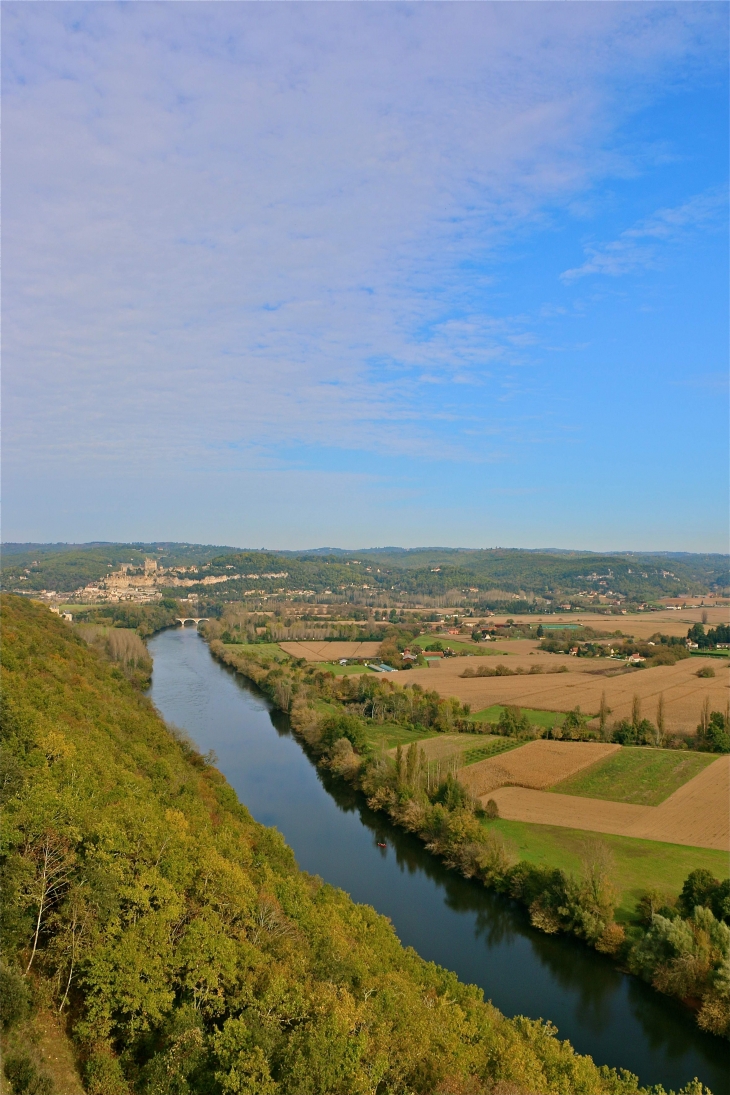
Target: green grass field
{"type": "Point", "coordinates": [387, 735]}
{"type": "Point", "coordinates": [640, 775]}
{"type": "Point", "coordinates": [547, 719]}
{"type": "Point", "coordinates": [638, 865]}
{"type": "Point", "coordinates": [261, 650]}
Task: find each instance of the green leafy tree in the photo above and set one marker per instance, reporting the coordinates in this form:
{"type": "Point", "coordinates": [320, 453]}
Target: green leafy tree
{"type": "Point", "coordinates": [512, 722]}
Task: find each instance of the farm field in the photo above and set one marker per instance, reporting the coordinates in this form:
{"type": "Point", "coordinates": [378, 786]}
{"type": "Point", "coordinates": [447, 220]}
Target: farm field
{"type": "Point", "coordinates": [695, 815]}
{"type": "Point", "coordinates": [389, 735]}
{"type": "Point", "coordinates": [640, 625]}
{"type": "Point", "coordinates": [524, 653]}
{"type": "Point", "coordinates": [537, 764]}
{"type": "Point", "coordinates": [583, 684]}
{"type": "Point", "coordinates": [326, 652]}
{"type": "Point", "coordinates": [461, 646]}
{"type": "Point", "coordinates": [640, 775]}
{"type": "Point", "coordinates": [469, 748]}
{"type": "Point", "coordinates": [638, 865]}
{"type": "Point", "coordinates": [342, 670]}
{"type": "Point", "coordinates": [261, 650]}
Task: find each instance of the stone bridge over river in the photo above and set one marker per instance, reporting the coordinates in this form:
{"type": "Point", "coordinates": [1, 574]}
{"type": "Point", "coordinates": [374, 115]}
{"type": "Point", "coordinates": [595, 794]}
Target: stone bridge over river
{"type": "Point", "coordinates": [183, 620]}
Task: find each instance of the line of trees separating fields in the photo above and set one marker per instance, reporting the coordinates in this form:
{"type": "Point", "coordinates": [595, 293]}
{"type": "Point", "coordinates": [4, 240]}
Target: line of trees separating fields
{"type": "Point", "coordinates": [681, 947]}
{"type": "Point", "coordinates": [173, 942]}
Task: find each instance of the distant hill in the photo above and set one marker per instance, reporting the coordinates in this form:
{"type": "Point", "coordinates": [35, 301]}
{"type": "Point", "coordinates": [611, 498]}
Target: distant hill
{"type": "Point", "coordinates": [521, 575]}
{"type": "Point", "coordinates": [68, 567]}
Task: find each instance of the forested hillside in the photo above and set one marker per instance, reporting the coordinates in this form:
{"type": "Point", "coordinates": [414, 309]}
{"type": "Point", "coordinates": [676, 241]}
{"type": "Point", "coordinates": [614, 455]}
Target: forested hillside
{"type": "Point", "coordinates": [68, 567]}
{"type": "Point", "coordinates": [490, 577]}
{"type": "Point", "coordinates": [178, 941]}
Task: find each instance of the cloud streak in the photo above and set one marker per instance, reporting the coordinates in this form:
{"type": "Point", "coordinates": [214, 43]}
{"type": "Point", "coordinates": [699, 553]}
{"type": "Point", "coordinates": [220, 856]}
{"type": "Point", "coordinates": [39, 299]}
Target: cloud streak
{"type": "Point", "coordinates": [230, 228]}
{"type": "Point", "coordinates": [638, 248]}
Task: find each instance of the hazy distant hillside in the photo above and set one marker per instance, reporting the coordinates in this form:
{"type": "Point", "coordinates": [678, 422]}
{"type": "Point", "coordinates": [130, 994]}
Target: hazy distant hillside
{"type": "Point", "coordinates": [412, 572]}
{"type": "Point", "coordinates": [67, 567]}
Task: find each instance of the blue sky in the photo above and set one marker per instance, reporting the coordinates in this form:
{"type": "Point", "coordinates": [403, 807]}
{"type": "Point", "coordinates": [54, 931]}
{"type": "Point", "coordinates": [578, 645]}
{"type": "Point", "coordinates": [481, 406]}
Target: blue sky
{"type": "Point", "coordinates": [356, 274]}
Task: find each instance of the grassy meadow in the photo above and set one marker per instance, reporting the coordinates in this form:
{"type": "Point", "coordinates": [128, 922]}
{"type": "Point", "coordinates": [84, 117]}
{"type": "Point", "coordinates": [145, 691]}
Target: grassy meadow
{"type": "Point", "coordinates": [639, 775]}
{"type": "Point", "coordinates": [260, 650]}
{"type": "Point", "coordinates": [637, 865]}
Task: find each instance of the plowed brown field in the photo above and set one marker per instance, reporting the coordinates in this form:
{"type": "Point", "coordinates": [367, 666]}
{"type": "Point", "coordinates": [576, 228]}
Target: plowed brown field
{"type": "Point", "coordinates": [538, 764]}
{"type": "Point", "coordinates": [697, 814]}
{"type": "Point", "coordinates": [683, 692]}
{"type": "Point", "coordinates": [639, 625]}
{"type": "Point", "coordinates": [330, 652]}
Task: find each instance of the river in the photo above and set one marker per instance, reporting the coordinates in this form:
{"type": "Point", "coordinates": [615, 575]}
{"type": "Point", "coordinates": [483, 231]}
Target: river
{"type": "Point", "coordinates": [483, 937]}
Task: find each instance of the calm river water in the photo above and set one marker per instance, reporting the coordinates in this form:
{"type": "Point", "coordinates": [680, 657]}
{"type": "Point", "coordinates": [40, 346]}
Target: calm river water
{"type": "Point", "coordinates": [486, 939]}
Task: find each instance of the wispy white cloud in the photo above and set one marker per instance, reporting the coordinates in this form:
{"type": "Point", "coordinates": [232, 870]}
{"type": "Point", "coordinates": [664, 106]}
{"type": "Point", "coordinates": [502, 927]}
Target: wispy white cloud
{"type": "Point", "coordinates": [217, 216]}
{"type": "Point", "coordinates": [230, 228]}
{"type": "Point", "coordinates": [640, 247]}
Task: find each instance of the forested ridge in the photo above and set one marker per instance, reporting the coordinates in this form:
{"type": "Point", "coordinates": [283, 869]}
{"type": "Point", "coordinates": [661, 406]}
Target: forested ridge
{"type": "Point", "coordinates": [176, 938]}
{"type": "Point", "coordinates": [414, 572]}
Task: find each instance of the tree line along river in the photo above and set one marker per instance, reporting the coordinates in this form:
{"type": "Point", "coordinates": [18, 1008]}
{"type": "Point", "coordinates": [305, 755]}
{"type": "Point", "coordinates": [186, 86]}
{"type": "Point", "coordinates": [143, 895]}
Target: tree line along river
{"type": "Point", "coordinates": [482, 936]}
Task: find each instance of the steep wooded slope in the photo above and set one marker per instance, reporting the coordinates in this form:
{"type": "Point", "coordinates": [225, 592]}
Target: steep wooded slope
{"type": "Point", "coordinates": [179, 940]}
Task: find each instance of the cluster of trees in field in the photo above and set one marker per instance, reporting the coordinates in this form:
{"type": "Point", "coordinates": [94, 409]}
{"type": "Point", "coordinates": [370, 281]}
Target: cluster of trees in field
{"type": "Point", "coordinates": [712, 734]}
{"type": "Point", "coordinates": [502, 670]}
{"type": "Point", "coordinates": [683, 948]}
{"type": "Point", "coordinates": [708, 641]}
{"type": "Point", "coordinates": [178, 943]}
{"type": "Point", "coordinates": [658, 650]}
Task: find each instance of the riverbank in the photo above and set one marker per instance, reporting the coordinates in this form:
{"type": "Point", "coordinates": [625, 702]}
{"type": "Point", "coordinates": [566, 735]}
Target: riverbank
{"type": "Point", "coordinates": [179, 942]}
{"type": "Point", "coordinates": [449, 826]}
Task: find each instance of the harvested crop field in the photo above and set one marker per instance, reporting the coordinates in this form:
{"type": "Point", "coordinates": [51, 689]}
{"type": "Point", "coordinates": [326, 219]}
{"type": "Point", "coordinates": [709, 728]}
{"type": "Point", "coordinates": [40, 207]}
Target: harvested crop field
{"type": "Point", "coordinates": [330, 652]}
{"type": "Point", "coordinates": [696, 815]}
{"type": "Point", "coordinates": [538, 764]}
{"type": "Point", "coordinates": [643, 776]}
{"type": "Point", "coordinates": [639, 625]}
{"type": "Point", "coordinates": [582, 685]}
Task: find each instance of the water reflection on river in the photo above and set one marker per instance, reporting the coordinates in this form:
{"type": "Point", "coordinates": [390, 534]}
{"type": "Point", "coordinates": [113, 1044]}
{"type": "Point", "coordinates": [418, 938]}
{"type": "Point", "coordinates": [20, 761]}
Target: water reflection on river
{"type": "Point", "coordinates": [447, 919]}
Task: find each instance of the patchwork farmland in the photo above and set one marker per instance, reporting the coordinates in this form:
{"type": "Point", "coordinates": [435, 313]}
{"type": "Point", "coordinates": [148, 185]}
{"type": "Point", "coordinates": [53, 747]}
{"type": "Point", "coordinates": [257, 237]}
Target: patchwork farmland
{"type": "Point", "coordinates": [695, 815]}
{"type": "Point", "coordinates": [525, 782]}
{"type": "Point", "coordinates": [582, 685]}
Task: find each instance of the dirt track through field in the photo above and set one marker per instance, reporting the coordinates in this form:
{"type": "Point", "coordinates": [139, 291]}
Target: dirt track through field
{"type": "Point", "coordinates": [697, 814]}
{"type": "Point", "coordinates": [538, 764]}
